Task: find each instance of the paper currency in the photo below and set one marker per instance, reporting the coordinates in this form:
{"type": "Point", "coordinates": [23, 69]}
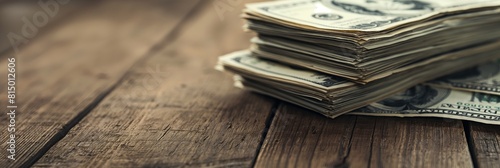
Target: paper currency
{"type": "Point", "coordinates": [427, 101]}
{"type": "Point", "coordinates": [360, 15]}
{"type": "Point", "coordinates": [365, 41]}
{"type": "Point", "coordinates": [484, 78]}
{"type": "Point", "coordinates": [418, 101]}
{"type": "Point", "coordinates": [341, 56]}
{"type": "Point", "coordinates": [343, 95]}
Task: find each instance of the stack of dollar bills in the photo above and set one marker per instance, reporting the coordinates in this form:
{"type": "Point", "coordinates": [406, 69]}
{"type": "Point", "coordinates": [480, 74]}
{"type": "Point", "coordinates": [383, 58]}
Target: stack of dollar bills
{"type": "Point", "coordinates": [406, 58]}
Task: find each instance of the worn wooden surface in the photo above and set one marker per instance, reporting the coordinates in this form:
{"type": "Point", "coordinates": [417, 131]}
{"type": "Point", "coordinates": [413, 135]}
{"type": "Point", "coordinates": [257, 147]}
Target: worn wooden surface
{"type": "Point", "coordinates": [132, 84]}
{"type": "Point", "coordinates": [14, 13]}
{"type": "Point", "coordinates": [297, 138]}
{"type": "Point", "coordinates": [485, 142]}
{"type": "Point", "coordinates": [64, 73]}
{"type": "Point", "coordinates": [183, 113]}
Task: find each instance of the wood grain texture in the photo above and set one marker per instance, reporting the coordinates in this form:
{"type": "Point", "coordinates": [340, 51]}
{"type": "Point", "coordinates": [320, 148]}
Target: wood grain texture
{"type": "Point", "coordinates": [13, 12]}
{"type": "Point", "coordinates": [415, 142]}
{"type": "Point", "coordinates": [299, 139]}
{"type": "Point", "coordinates": [174, 109]}
{"type": "Point", "coordinates": [138, 89]}
{"type": "Point", "coordinates": [485, 141]}
{"type": "Point", "coordinates": [62, 72]}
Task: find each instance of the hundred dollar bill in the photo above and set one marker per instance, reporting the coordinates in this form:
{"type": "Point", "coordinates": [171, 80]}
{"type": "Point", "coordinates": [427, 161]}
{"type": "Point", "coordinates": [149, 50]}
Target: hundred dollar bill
{"type": "Point", "coordinates": [428, 101]}
{"type": "Point", "coordinates": [484, 78]}
{"type": "Point", "coordinates": [360, 15]}
{"type": "Point", "coordinates": [338, 95]}
{"type": "Point", "coordinates": [418, 101]}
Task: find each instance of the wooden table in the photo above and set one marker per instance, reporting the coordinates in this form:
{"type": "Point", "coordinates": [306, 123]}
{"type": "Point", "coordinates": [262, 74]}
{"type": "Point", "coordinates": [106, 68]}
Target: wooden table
{"type": "Point", "coordinates": [132, 84]}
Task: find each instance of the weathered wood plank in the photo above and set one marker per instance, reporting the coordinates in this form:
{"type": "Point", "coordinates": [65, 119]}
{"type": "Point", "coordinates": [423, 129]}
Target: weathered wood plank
{"type": "Point", "coordinates": [174, 109]}
{"type": "Point", "coordinates": [63, 72]}
{"type": "Point", "coordinates": [298, 138]}
{"type": "Point", "coordinates": [301, 138]}
{"type": "Point", "coordinates": [14, 13]}
{"type": "Point", "coordinates": [485, 141]}
{"type": "Point", "coordinates": [415, 142]}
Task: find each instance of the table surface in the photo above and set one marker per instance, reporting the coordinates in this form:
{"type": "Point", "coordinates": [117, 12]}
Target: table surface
{"type": "Point", "coordinates": [132, 84]}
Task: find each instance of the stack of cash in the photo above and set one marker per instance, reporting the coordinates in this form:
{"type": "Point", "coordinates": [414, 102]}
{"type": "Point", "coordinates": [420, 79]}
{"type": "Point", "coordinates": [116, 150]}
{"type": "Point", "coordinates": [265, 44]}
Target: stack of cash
{"type": "Point", "coordinates": [339, 56]}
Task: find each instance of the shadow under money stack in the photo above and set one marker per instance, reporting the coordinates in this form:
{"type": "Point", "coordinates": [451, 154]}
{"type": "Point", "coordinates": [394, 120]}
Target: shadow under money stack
{"type": "Point", "coordinates": [335, 56]}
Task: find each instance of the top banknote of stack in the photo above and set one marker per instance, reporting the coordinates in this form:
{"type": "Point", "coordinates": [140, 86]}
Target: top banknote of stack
{"type": "Point", "coordinates": [368, 40]}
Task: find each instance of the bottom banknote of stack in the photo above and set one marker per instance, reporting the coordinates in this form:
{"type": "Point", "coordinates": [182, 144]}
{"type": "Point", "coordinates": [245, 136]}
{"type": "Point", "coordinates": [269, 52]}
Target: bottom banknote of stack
{"type": "Point", "coordinates": [419, 101]}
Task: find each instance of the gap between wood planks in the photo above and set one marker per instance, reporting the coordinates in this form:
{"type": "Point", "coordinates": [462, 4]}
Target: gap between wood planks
{"type": "Point", "coordinates": [361, 141]}
{"type": "Point", "coordinates": [99, 98]}
{"type": "Point", "coordinates": [66, 128]}
{"type": "Point", "coordinates": [185, 121]}
{"type": "Point", "coordinates": [269, 121]}
{"type": "Point", "coordinates": [470, 143]}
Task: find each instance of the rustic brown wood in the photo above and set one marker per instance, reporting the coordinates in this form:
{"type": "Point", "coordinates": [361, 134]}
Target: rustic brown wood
{"type": "Point", "coordinates": [13, 12]}
{"type": "Point", "coordinates": [174, 109]}
{"type": "Point", "coordinates": [299, 139]}
{"type": "Point", "coordinates": [416, 142]}
{"type": "Point", "coordinates": [485, 141]}
{"type": "Point", "coordinates": [62, 73]}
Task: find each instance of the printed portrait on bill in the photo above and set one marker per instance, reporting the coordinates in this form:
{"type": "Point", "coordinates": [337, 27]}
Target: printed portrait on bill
{"type": "Point", "coordinates": [418, 97]}
{"type": "Point", "coordinates": [382, 7]}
